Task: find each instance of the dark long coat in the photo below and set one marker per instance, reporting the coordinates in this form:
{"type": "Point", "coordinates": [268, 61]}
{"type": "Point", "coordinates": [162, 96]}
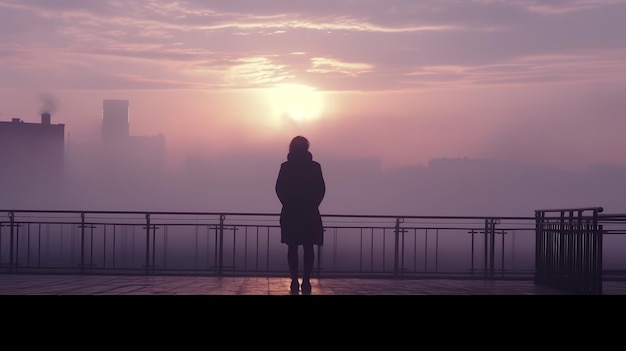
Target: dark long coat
{"type": "Point", "coordinates": [300, 188]}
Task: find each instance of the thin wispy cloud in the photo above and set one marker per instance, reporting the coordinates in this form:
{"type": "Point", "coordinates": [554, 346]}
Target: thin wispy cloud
{"type": "Point", "coordinates": [565, 6]}
{"type": "Point", "coordinates": [329, 65]}
{"type": "Point", "coordinates": [573, 67]}
{"type": "Point", "coordinates": [255, 71]}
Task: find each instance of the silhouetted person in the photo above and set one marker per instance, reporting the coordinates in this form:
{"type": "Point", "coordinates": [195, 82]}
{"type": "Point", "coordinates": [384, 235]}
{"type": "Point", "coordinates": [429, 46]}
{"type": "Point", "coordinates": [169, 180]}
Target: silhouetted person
{"type": "Point", "coordinates": [300, 188]}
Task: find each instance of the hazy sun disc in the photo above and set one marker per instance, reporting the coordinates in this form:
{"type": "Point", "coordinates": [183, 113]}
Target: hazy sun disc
{"type": "Point", "coordinates": [297, 103]}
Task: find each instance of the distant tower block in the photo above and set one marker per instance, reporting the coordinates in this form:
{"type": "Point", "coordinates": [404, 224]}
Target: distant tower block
{"type": "Point", "coordinates": [115, 121]}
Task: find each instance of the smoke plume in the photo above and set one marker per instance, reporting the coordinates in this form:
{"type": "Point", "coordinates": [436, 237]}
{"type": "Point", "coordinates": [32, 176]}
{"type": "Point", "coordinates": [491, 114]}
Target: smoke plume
{"type": "Point", "coordinates": [49, 103]}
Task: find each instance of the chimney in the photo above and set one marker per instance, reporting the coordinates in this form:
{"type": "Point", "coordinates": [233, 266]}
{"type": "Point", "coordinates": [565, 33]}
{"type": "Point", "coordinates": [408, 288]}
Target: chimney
{"type": "Point", "coordinates": [45, 118]}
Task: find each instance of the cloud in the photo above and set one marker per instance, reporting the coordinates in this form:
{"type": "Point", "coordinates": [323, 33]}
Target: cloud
{"type": "Point", "coordinates": [375, 45]}
{"type": "Point", "coordinates": [568, 6]}
{"type": "Point", "coordinates": [255, 71]}
{"type": "Point", "coordinates": [328, 65]}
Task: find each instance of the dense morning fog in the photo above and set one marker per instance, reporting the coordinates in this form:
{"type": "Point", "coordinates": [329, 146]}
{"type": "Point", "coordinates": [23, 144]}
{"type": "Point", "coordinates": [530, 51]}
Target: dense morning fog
{"type": "Point", "coordinates": [140, 177]}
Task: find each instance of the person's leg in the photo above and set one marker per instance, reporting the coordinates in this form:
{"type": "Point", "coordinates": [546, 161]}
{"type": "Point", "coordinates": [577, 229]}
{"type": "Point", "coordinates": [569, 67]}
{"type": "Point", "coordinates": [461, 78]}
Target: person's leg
{"type": "Point", "coordinates": [308, 260]}
{"type": "Point", "coordinates": [292, 260]}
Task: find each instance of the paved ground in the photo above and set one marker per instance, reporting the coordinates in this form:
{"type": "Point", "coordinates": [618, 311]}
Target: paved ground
{"type": "Point", "coordinates": [18, 284]}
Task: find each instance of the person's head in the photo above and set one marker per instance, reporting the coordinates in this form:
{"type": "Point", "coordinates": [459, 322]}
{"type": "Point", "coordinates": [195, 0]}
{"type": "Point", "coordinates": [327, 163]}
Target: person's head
{"type": "Point", "coordinates": [299, 144]}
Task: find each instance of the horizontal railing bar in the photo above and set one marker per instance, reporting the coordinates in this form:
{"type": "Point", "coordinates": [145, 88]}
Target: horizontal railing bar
{"type": "Point", "coordinates": [598, 209]}
{"type": "Point", "coordinates": [263, 214]}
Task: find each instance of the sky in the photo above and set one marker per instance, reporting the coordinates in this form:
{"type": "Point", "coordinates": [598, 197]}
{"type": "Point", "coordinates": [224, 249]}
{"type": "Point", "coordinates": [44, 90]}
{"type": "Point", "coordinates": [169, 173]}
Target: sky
{"type": "Point", "coordinates": [397, 82]}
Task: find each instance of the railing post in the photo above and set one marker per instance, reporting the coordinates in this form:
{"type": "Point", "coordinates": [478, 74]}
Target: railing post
{"type": "Point", "coordinates": [11, 235]}
{"type": "Point", "coordinates": [490, 253]}
{"type": "Point", "coordinates": [153, 264]}
{"type": "Point", "coordinates": [472, 233]}
{"type": "Point", "coordinates": [147, 243]}
{"type": "Point", "coordinates": [82, 242]}
{"type": "Point", "coordinates": [396, 253]}
{"type": "Point", "coordinates": [597, 271]}
{"type": "Point", "coordinates": [486, 248]}
{"type": "Point", "coordinates": [540, 247]}
{"type": "Point", "coordinates": [221, 246]}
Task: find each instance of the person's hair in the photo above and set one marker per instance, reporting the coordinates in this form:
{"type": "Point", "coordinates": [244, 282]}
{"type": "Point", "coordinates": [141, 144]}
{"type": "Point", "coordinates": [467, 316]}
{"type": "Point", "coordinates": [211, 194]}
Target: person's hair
{"type": "Point", "coordinates": [299, 144]}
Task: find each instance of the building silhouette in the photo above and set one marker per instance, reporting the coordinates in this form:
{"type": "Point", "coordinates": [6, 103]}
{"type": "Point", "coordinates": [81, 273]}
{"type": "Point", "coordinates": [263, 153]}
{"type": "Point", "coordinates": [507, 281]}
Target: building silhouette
{"type": "Point", "coordinates": [32, 159]}
{"type": "Point", "coordinates": [115, 121]}
{"type": "Point", "coordinates": [119, 171]}
{"type": "Point", "coordinates": [119, 145]}
{"type": "Point", "coordinates": [116, 134]}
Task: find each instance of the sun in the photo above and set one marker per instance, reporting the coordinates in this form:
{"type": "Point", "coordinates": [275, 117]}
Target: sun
{"type": "Point", "coordinates": [295, 103]}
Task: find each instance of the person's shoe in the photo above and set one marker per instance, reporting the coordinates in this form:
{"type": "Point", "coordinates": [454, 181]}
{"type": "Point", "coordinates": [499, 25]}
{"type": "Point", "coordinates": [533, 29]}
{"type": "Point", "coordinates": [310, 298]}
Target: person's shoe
{"type": "Point", "coordinates": [306, 287]}
{"type": "Point", "coordinates": [295, 286]}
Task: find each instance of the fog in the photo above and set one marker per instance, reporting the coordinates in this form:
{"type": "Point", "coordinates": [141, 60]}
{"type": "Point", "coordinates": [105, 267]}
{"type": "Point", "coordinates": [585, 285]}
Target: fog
{"type": "Point", "coordinates": [142, 179]}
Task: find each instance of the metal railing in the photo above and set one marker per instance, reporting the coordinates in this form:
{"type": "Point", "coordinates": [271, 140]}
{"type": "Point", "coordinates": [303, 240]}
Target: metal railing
{"type": "Point", "coordinates": [107, 242]}
{"type": "Point", "coordinates": [569, 249]}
